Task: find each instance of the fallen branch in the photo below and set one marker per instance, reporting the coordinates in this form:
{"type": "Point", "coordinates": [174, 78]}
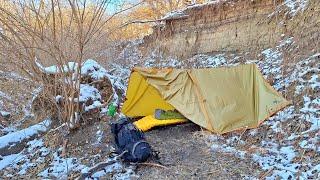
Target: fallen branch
{"type": "Point", "coordinates": [100, 166]}
{"type": "Point", "coordinates": [153, 164]}
{"type": "Point", "coordinates": [96, 82]}
{"type": "Point", "coordinates": [246, 128]}
{"type": "Point", "coordinates": [64, 150]}
{"type": "Point", "coordinates": [264, 175]}
{"type": "Point", "coordinates": [57, 128]}
{"type": "Point", "coordinates": [107, 102]}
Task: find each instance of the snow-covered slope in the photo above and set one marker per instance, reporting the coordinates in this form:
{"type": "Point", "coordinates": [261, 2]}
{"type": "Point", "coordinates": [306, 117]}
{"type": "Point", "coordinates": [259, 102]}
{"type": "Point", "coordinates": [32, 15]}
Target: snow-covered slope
{"type": "Point", "coordinates": [286, 145]}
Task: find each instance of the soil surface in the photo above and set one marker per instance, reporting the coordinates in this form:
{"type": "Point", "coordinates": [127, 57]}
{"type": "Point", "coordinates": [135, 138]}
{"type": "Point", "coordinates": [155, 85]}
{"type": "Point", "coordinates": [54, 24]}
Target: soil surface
{"type": "Point", "coordinates": [184, 153]}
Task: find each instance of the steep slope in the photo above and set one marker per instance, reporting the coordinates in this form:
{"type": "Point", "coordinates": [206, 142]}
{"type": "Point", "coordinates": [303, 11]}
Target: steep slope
{"type": "Point", "coordinates": [232, 26]}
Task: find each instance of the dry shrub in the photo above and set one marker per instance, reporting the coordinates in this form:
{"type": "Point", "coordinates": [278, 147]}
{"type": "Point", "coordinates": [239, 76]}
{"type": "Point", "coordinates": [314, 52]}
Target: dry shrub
{"type": "Point", "coordinates": [37, 32]}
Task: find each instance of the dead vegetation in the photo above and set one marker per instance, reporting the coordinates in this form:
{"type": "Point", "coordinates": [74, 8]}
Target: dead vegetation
{"type": "Point", "coordinates": [54, 32]}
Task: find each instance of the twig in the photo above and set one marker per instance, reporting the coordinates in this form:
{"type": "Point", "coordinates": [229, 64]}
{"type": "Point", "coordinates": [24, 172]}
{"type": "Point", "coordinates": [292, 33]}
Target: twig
{"type": "Point", "coordinates": [266, 174]}
{"type": "Point", "coordinates": [107, 102]}
{"type": "Point", "coordinates": [95, 82]}
{"type": "Point", "coordinates": [211, 172]}
{"type": "Point", "coordinates": [246, 128]}
{"type": "Point", "coordinates": [153, 164]}
{"type": "Point", "coordinates": [100, 166]}
{"type": "Point", "coordinates": [57, 128]}
{"type": "Point", "coordinates": [96, 168]}
{"type": "Point", "coordinates": [64, 150]}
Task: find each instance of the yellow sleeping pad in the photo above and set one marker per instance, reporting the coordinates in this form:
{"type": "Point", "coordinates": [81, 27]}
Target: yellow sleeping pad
{"type": "Point", "coordinates": [149, 122]}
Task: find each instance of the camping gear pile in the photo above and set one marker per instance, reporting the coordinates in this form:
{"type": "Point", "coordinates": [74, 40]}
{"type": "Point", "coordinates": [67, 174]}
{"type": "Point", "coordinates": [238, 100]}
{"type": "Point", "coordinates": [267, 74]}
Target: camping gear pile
{"type": "Point", "coordinates": [130, 142]}
{"type": "Point", "coordinates": [129, 138]}
{"type": "Point", "coordinates": [219, 99]}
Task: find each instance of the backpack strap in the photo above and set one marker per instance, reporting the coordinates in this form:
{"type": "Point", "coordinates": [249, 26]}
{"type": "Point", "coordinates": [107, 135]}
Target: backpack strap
{"type": "Point", "coordinates": [135, 146]}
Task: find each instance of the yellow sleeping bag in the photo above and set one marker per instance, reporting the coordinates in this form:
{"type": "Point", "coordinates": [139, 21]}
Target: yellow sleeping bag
{"type": "Point", "coordinates": [149, 122]}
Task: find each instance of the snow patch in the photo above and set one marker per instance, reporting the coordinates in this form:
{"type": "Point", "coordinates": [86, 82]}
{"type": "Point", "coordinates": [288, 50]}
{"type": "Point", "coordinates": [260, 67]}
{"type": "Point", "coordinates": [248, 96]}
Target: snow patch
{"type": "Point", "coordinates": [296, 5]}
{"type": "Point", "coordinates": [7, 160]}
{"type": "Point", "coordinates": [93, 69]}
{"type": "Point", "coordinates": [18, 136]}
{"type": "Point", "coordinates": [66, 68]}
{"type": "Point", "coordinates": [88, 92]}
{"type": "Point", "coordinates": [121, 173]}
{"type": "Point", "coordinates": [60, 167]}
{"type": "Point", "coordinates": [5, 114]}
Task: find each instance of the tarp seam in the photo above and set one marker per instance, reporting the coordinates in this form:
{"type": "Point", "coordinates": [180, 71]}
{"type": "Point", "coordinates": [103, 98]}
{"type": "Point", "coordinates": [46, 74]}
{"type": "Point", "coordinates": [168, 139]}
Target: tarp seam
{"type": "Point", "coordinates": [201, 100]}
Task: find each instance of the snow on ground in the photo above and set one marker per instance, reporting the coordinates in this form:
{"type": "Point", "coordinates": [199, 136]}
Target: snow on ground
{"type": "Point", "coordinates": [295, 5]}
{"type": "Point", "coordinates": [60, 167]}
{"type": "Point", "coordinates": [3, 98]}
{"type": "Point", "coordinates": [18, 136]}
{"type": "Point", "coordinates": [291, 7]}
{"type": "Point", "coordinates": [129, 57]}
{"type": "Point", "coordinates": [197, 61]}
{"type": "Point", "coordinates": [10, 159]}
{"type": "Point", "coordinates": [88, 92]}
{"type": "Point", "coordinates": [34, 155]}
{"type": "Point", "coordinates": [4, 113]}
{"type": "Point", "coordinates": [38, 160]}
{"type": "Point", "coordinates": [37, 153]}
{"type": "Point", "coordinates": [97, 72]}
{"type": "Point", "coordinates": [117, 168]}
{"type": "Point", "coordinates": [15, 97]}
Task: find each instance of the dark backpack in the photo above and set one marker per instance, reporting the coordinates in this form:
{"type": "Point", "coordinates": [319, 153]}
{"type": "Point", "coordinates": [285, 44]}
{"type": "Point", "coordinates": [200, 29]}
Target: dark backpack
{"type": "Point", "coordinates": [130, 141]}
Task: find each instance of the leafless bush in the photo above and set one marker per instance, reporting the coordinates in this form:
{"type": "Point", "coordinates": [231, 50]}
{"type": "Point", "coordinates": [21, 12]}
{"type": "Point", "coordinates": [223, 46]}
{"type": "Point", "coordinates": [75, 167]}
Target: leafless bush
{"type": "Point", "coordinates": [49, 32]}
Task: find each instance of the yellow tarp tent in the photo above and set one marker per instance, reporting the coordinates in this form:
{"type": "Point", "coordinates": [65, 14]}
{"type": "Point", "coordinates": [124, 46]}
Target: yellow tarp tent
{"type": "Point", "coordinates": [218, 99]}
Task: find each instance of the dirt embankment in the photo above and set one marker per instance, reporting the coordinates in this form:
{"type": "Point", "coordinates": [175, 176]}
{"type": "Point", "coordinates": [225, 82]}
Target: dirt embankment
{"type": "Point", "coordinates": [231, 26]}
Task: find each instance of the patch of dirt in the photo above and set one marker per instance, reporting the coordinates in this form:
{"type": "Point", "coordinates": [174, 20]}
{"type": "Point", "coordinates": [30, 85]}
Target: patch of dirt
{"type": "Point", "coordinates": [17, 94]}
{"type": "Point", "coordinates": [183, 149]}
{"type": "Point", "coordinates": [92, 140]}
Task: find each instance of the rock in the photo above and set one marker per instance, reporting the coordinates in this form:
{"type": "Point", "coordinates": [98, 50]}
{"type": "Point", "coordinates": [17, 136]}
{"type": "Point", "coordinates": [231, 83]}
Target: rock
{"type": "Point", "coordinates": [5, 114]}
